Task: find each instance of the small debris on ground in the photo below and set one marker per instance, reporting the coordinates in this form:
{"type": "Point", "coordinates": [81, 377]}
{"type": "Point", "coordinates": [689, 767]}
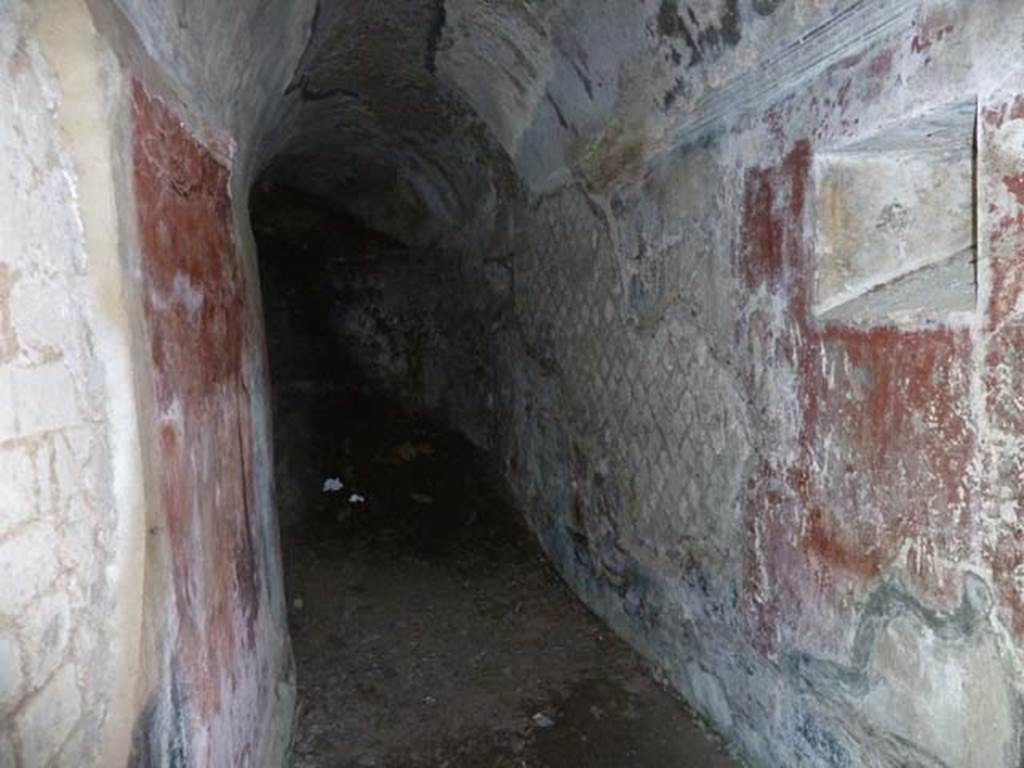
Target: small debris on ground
{"type": "Point", "coordinates": [333, 485]}
{"type": "Point", "coordinates": [439, 635]}
{"type": "Point", "coordinates": [542, 721]}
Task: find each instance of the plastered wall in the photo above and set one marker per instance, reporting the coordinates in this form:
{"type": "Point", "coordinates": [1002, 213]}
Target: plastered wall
{"type": "Point", "coordinates": [226, 640]}
{"type": "Point", "coordinates": [752, 359]}
{"type": "Point", "coordinates": [796, 491]}
{"type": "Point", "coordinates": [71, 516]}
{"type": "Point", "coordinates": [811, 520]}
{"type": "Point", "coordinates": [141, 613]}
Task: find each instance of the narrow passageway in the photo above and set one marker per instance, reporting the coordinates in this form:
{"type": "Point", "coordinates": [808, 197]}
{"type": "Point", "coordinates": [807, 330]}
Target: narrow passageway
{"type": "Point", "coordinates": [429, 630]}
{"type": "Point", "coordinates": [511, 383]}
{"type": "Point", "coordinates": [427, 626]}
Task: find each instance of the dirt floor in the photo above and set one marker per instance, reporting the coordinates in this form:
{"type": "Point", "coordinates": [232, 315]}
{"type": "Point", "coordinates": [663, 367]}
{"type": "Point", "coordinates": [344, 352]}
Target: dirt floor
{"type": "Point", "coordinates": [429, 630]}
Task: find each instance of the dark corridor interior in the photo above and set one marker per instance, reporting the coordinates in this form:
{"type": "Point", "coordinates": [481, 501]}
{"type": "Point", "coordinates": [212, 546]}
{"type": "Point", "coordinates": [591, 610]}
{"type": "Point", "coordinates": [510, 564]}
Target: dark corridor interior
{"type": "Point", "coordinates": [427, 626]}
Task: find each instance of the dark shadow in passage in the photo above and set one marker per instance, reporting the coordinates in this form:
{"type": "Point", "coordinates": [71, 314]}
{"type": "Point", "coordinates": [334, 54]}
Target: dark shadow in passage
{"type": "Point", "coordinates": [427, 626]}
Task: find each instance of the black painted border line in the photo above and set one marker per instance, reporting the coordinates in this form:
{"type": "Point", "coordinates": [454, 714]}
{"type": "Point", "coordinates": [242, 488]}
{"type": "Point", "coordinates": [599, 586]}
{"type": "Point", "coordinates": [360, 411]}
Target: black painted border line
{"type": "Point", "coordinates": [845, 34]}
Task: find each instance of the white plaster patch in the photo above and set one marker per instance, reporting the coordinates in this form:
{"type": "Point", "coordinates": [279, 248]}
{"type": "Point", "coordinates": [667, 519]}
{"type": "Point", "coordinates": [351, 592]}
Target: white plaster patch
{"type": "Point", "coordinates": [8, 422]}
{"type": "Point", "coordinates": [18, 498]}
{"type": "Point", "coordinates": [11, 675]}
{"type": "Point", "coordinates": [77, 545]}
{"type": "Point", "coordinates": [952, 699]}
{"type": "Point", "coordinates": [72, 473]}
{"type": "Point", "coordinates": [48, 718]}
{"type": "Point", "coordinates": [28, 565]}
{"type": "Point", "coordinates": [44, 398]}
{"type": "Point", "coordinates": [48, 622]}
{"type": "Point", "coordinates": [41, 317]}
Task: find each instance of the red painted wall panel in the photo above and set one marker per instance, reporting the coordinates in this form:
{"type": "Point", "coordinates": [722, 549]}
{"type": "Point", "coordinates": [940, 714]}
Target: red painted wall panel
{"type": "Point", "coordinates": [196, 313]}
{"type": "Point", "coordinates": [881, 470]}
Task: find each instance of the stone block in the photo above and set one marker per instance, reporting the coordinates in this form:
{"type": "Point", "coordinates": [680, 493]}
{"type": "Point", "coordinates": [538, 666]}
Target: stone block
{"type": "Point", "coordinates": [72, 467]}
{"type": "Point", "coordinates": [42, 317]}
{"type": "Point", "coordinates": [11, 673]}
{"type": "Point", "coordinates": [18, 498]}
{"type": "Point", "coordinates": [77, 548]}
{"type": "Point", "coordinates": [48, 718]}
{"type": "Point", "coordinates": [48, 623]}
{"type": "Point", "coordinates": [44, 398]}
{"type": "Point", "coordinates": [8, 420]}
{"type": "Point", "coordinates": [28, 565]}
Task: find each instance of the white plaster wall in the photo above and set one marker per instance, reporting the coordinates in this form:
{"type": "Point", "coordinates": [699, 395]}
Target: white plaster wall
{"type": "Point", "coordinates": [70, 479]}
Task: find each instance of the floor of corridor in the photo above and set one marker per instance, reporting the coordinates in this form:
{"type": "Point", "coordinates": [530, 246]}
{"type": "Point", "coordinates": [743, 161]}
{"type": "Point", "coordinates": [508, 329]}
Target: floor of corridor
{"type": "Point", "coordinates": [429, 630]}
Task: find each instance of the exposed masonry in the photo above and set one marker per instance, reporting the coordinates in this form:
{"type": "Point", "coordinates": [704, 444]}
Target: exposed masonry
{"type": "Point", "coordinates": [56, 515]}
